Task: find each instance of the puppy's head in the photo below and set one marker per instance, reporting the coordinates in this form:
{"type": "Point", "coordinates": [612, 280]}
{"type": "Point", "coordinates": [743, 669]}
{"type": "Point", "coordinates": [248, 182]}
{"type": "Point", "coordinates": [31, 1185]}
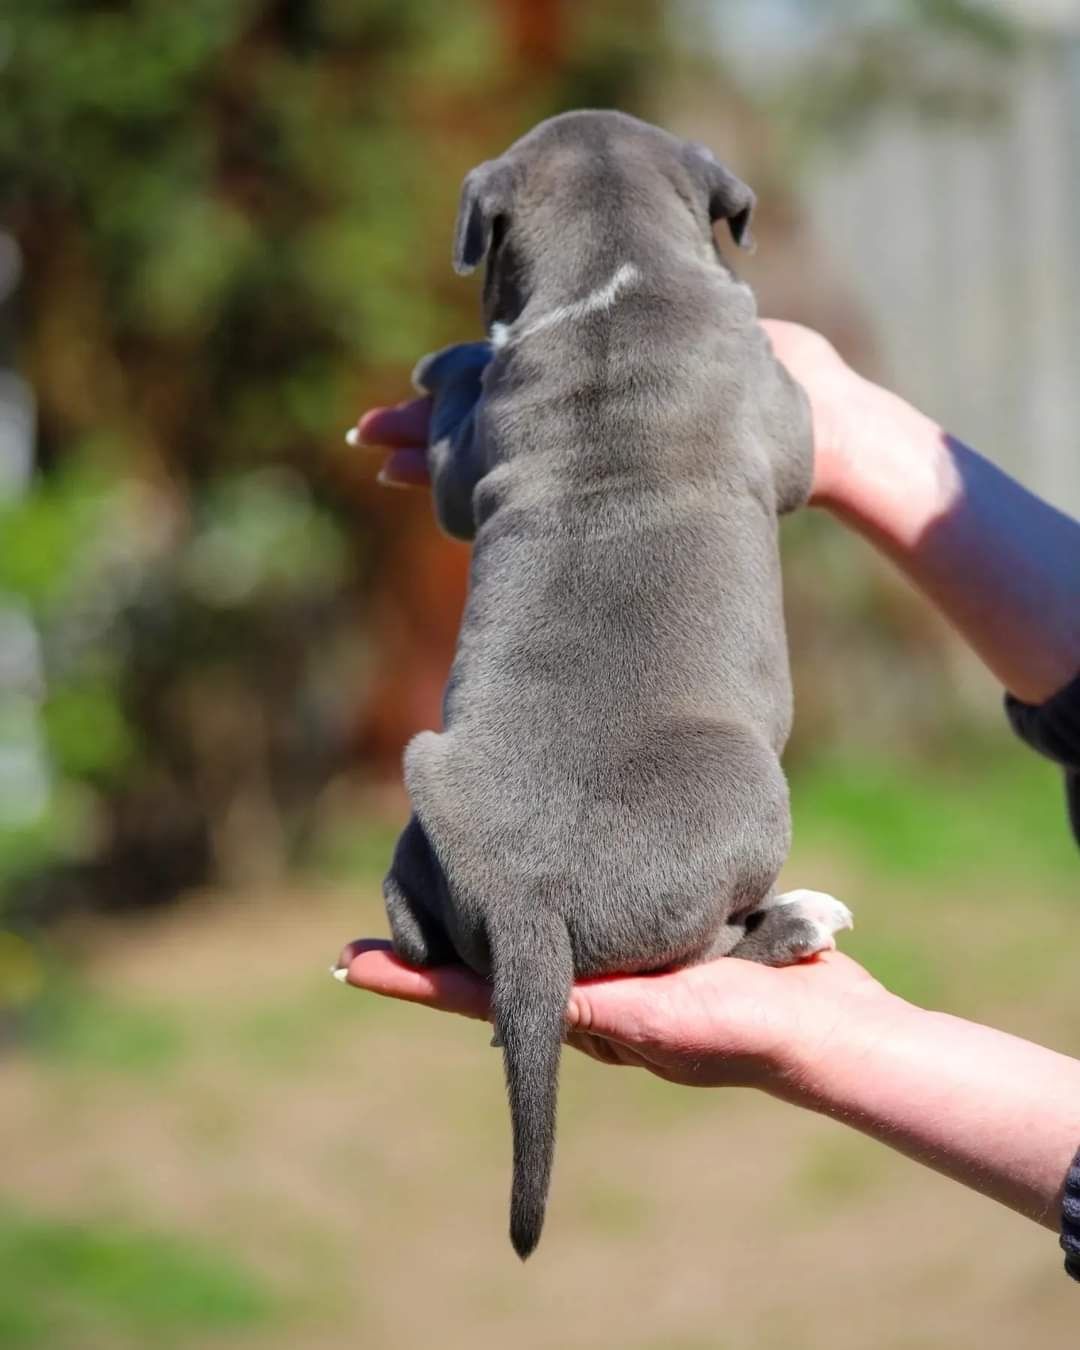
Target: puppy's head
{"type": "Point", "coordinates": [584, 183]}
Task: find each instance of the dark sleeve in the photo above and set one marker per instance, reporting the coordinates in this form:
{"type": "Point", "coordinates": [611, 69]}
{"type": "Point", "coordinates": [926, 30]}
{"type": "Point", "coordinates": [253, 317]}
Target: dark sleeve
{"type": "Point", "coordinates": [1053, 729]}
{"type": "Point", "coordinates": [1070, 1220]}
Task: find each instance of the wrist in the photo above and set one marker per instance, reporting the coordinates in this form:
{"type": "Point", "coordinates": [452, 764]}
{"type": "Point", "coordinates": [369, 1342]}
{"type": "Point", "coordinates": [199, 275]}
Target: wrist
{"type": "Point", "coordinates": [886, 469]}
{"type": "Point", "coordinates": [821, 1067]}
{"type": "Point", "coordinates": [842, 409]}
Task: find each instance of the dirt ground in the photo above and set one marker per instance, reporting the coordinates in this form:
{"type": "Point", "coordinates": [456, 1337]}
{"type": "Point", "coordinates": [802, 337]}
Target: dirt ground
{"type": "Point", "coordinates": [209, 1080]}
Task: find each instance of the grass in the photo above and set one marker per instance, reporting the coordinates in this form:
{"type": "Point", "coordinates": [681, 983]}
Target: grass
{"type": "Point", "coordinates": [612, 1211]}
{"type": "Point", "coordinates": [286, 1134]}
{"type": "Point", "coordinates": [358, 851]}
{"type": "Point", "coordinates": [842, 1169]}
{"type": "Point", "coordinates": [72, 1283]}
{"type": "Point", "coordinates": [77, 1027]}
{"type": "Point", "coordinates": [281, 1033]}
{"type": "Point", "coordinates": [997, 808]}
{"type": "Point", "coordinates": [989, 804]}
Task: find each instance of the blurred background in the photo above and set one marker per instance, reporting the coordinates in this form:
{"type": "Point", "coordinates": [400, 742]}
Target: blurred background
{"type": "Point", "coordinates": [224, 232]}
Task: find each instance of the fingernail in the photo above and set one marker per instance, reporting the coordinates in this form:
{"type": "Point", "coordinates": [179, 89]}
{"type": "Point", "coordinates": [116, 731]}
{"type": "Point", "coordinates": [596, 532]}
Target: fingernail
{"type": "Point", "coordinates": [352, 436]}
{"type": "Point", "coordinates": [340, 973]}
{"type": "Point", "coordinates": [383, 478]}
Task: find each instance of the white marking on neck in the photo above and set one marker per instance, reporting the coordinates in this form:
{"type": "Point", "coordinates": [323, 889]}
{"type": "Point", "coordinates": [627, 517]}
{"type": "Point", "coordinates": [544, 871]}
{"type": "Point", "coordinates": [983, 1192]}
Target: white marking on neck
{"type": "Point", "coordinates": [602, 298]}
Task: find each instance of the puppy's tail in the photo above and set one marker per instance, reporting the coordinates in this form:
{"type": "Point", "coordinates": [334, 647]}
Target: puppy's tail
{"type": "Point", "coordinates": [533, 970]}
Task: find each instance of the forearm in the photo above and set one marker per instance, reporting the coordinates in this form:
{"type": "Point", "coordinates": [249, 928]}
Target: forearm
{"type": "Point", "coordinates": [1000, 564]}
{"type": "Point", "coordinates": [996, 1113]}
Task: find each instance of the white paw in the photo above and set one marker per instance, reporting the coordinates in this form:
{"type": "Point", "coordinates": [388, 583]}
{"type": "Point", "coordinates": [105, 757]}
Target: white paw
{"type": "Point", "coordinates": [825, 912]}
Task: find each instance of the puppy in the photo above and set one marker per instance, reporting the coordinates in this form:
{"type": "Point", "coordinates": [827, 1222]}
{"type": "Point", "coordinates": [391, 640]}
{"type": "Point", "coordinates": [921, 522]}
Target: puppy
{"type": "Point", "coordinates": [606, 792]}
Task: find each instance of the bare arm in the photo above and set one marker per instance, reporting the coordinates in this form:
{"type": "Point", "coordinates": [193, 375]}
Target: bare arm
{"type": "Point", "coordinates": [996, 1113]}
{"type": "Point", "coordinates": [1002, 565]}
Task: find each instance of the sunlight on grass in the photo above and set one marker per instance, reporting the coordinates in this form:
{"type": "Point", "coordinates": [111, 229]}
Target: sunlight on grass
{"type": "Point", "coordinates": [78, 1027]}
{"type": "Point", "coordinates": [840, 1170]}
{"type": "Point", "coordinates": [332, 1132]}
{"type": "Point", "coordinates": [611, 1210]}
{"type": "Point", "coordinates": [1003, 810]}
{"type": "Point", "coordinates": [901, 964]}
{"type": "Point", "coordinates": [359, 851]}
{"type": "Point", "coordinates": [301, 1021]}
{"type": "Point", "coordinates": [76, 1283]}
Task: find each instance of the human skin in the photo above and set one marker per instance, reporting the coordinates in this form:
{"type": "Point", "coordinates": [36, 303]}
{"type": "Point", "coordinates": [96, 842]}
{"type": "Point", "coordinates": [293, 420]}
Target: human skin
{"type": "Point", "coordinates": [998, 1114]}
{"type": "Point", "coordinates": [1001, 565]}
{"type": "Point", "coordinates": [994, 1112]}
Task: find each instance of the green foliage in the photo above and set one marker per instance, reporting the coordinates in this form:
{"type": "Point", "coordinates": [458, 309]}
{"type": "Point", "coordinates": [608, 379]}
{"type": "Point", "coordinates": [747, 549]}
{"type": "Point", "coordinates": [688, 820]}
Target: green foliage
{"type": "Point", "coordinates": [72, 733]}
{"type": "Point", "coordinates": [234, 215]}
{"type": "Point", "coordinates": [86, 729]}
{"type": "Point", "coordinates": [260, 536]}
{"type": "Point", "coordinates": [71, 1283]}
{"type": "Point", "coordinates": [48, 538]}
{"type": "Point", "coordinates": [62, 826]}
{"type": "Point", "coordinates": [990, 28]}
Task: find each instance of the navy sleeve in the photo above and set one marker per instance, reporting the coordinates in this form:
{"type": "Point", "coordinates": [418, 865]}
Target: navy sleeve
{"type": "Point", "coordinates": [1070, 1220]}
{"type": "Point", "coordinates": [1053, 729]}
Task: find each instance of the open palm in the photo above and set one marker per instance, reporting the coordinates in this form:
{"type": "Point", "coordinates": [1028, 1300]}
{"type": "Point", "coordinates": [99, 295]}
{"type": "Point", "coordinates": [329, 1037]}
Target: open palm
{"type": "Point", "coordinates": [727, 1022]}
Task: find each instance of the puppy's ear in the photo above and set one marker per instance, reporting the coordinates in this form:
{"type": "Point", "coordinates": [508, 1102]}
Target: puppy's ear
{"type": "Point", "coordinates": [485, 197]}
{"type": "Point", "coordinates": [728, 197]}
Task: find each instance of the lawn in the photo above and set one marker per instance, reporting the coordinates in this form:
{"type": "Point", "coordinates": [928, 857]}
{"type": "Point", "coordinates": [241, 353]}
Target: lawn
{"type": "Point", "coordinates": [207, 1142]}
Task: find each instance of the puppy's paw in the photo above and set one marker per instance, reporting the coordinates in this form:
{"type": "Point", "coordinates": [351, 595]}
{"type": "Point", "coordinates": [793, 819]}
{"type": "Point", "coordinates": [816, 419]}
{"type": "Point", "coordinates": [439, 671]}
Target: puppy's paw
{"type": "Point", "coordinates": [824, 914]}
{"type": "Point", "coordinates": [790, 928]}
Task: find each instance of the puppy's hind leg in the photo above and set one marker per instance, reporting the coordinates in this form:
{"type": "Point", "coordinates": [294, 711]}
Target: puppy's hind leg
{"type": "Point", "coordinates": [791, 927]}
{"type": "Point", "coordinates": [411, 891]}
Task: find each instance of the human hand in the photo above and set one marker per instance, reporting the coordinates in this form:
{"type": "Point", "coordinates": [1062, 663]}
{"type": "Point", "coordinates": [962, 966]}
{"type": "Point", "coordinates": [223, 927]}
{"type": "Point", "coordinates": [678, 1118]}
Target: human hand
{"type": "Point", "coordinates": [846, 409]}
{"type": "Point", "coordinates": [842, 404]}
{"type": "Point", "coordinates": [452, 383]}
{"type": "Point", "coordinates": [725, 1023]}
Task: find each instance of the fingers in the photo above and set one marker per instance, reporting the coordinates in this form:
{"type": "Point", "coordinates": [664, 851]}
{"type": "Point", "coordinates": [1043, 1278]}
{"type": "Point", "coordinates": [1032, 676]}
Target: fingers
{"type": "Point", "coordinates": [605, 1052]}
{"type": "Point", "coordinates": [454, 376]}
{"type": "Point", "coordinates": [404, 431]}
{"type": "Point", "coordinates": [620, 1007]}
{"type": "Point", "coordinates": [611, 1019]}
{"type": "Point", "coordinates": [598, 1010]}
{"type": "Point", "coordinates": [402, 427]}
{"type": "Point", "coordinates": [352, 949]}
{"type": "Point", "coordinates": [405, 468]}
{"type": "Point", "coordinates": [371, 964]}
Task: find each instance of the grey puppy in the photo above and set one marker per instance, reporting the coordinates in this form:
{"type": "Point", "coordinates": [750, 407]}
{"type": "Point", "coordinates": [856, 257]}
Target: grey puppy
{"type": "Point", "coordinates": [606, 794]}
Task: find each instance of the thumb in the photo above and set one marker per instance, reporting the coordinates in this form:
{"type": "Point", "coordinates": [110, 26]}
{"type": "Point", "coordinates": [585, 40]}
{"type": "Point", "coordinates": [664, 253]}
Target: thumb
{"type": "Point", "coordinates": [618, 1008]}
